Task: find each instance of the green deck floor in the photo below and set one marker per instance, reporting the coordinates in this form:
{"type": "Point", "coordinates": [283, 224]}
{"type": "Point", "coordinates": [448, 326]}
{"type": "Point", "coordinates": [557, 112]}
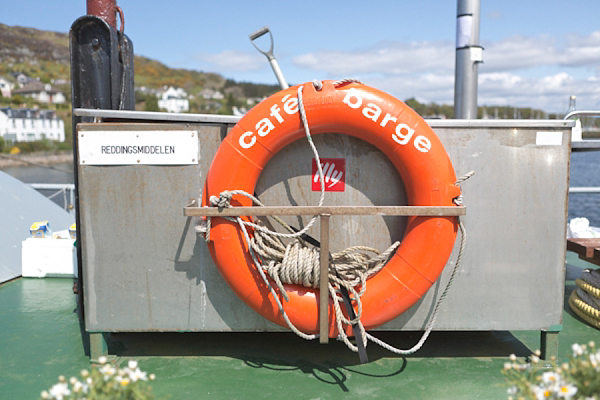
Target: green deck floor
{"type": "Point", "coordinates": [40, 339]}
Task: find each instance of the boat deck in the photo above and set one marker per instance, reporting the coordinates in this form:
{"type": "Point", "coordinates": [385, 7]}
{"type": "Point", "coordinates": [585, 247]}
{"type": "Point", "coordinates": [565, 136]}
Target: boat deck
{"type": "Point", "coordinates": [41, 338]}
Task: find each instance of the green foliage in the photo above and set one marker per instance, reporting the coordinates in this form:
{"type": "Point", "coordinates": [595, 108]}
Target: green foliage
{"type": "Point", "coordinates": [16, 100]}
{"type": "Point", "coordinates": [154, 74]}
{"type": "Point", "coordinates": [229, 104]}
{"type": "Point", "coordinates": [106, 382]}
{"type": "Point", "coordinates": [577, 379]}
{"type": "Point", "coordinates": [253, 90]}
{"type": "Point", "coordinates": [38, 145]}
{"type": "Point", "coordinates": [2, 144]}
{"type": "Point", "coordinates": [151, 103]}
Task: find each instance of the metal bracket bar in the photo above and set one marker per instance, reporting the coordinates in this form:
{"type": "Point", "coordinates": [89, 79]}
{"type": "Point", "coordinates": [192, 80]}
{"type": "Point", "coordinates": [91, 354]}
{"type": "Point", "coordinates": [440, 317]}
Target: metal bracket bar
{"type": "Point", "coordinates": [582, 113]}
{"type": "Point", "coordinates": [192, 210]}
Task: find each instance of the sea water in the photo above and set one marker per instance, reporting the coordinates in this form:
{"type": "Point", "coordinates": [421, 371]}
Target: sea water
{"type": "Point", "coordinates": [585, 171]}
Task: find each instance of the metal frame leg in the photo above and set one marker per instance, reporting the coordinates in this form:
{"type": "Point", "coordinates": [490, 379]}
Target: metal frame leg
{"type": "Point", "coordinates": [549, 343]}
{"type": "Point", "coordinates": [98, 346]}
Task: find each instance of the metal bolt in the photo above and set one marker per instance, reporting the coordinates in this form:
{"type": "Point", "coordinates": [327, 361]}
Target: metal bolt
{"type": "Point", "coordinates": [95, 43]}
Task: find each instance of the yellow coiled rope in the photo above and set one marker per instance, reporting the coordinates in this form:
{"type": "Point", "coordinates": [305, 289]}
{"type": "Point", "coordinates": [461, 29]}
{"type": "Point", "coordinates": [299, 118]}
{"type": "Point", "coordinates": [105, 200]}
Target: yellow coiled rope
{"type": "Point", "coordinates": [587, 308]}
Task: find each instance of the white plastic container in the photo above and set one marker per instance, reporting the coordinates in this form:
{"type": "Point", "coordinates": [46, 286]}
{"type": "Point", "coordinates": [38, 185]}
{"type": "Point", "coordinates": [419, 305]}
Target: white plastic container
{"type": "Point", "coordinates": [49, 257]}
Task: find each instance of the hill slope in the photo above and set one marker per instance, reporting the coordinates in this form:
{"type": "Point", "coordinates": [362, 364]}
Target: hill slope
{"type": "Point", "coordinates": [22, 45]}
{"type": "Point", "coordinates": [45, 55]}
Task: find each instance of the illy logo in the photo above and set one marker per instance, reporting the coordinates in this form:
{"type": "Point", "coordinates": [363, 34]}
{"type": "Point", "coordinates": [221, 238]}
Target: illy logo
{"type": "Point", "coordinates": [334, 174]}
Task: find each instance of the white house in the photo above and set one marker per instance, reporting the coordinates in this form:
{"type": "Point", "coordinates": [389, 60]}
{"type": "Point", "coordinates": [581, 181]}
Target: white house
{"type": "Point", "coordinates": [21, 78]}
{"type": "Point", "coordinates": [174, 100]}
{"type": "Point", "coordinates": [44, 93]}
{"type": "Point", "coordinates": [5, 87]}
{"type": "Point", "coordinates": [26, 125]}
{"type": "Point", "coordinates": [211, 94]}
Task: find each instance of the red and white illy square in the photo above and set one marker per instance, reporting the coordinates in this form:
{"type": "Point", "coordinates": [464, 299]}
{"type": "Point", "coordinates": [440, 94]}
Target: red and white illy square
{"type": "Point", "coordinates": [334, 173]}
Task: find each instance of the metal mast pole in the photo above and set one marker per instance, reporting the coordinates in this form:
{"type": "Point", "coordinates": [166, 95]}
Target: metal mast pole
{"type": "Point", "coordinates": [101, 77]}
{"type": "Point", "coordinates": [105, 9]}
{"type": "Point", "coordinates": [468, 55]}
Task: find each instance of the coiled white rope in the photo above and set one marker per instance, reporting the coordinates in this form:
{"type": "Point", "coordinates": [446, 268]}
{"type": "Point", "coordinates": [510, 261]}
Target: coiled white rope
{"type": "Point", "coordinates": [296, 263]}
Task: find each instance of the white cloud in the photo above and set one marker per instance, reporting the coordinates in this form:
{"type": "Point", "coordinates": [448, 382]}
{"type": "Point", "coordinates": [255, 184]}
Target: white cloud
{"type": "Point", "coordinates": [520, 52]}
{"type": "Point", "coordinates": [549, 93]}
{"type": "Point", "coordinates": [540, 72]}
{"type": "Point", "coordinates": [231, 60]}
{"type": "Point", "coordinates": [582, 50]}
{"type": "Point", "coordinates": [387, 58]}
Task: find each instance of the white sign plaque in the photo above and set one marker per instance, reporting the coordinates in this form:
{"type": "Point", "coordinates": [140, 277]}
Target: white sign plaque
{"type": "Point", "coordinates": [548, 138]}
{"type": "Point", "coordinates": [138, 147]}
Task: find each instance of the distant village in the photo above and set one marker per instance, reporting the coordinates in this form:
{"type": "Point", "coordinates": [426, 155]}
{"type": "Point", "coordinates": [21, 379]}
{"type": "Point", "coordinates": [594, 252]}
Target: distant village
{"type": "Point", "coordinates": [27, 124]}
{"type": "Point", "coordinates": [30, 124]}
{"type": "Point", "coordinates": [39, 121]}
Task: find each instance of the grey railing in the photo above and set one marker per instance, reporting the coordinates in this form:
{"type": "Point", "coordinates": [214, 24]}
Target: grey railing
{"type": "Point", "coordinates": [66, 189]}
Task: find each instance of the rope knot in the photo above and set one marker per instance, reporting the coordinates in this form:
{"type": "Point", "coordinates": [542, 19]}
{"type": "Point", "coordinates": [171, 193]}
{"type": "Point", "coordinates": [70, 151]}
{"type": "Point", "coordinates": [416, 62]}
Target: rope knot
{"type": "Point", "coordinates": [223, 201]}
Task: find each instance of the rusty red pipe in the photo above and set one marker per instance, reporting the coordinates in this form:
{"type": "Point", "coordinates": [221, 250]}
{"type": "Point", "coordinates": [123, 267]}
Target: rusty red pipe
{"type": "Point", "coordinates": [105, 9]}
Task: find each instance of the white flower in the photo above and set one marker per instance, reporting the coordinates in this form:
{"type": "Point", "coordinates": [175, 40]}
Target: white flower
{"type": "Point", "coordinates": [522, 367]}
{"type": "Point", "coordinates": [44, 394]}
{"type": "Point", "coordinates": [73, 380]}
{"type": "Point", "coordinates": [577, 349]}
{"type": "Point", "coordinates": [538, 392]}
{"type": "Point", "coordinates": [512, 390]}
{"type": "Point", "coordinates": [138, 375]}
{"type": "Point", "coordinates": [77, 387]}
{"type": "Point", "coordinates": [542, 393]}
{"type": "Point", "coordinates": [59, 391]}
{"type": "Point", "coordinates": [535, 359]}
{"type": "Point", "coordinates": [550, 377]}
{"type": "Point", "coordinates": [107, 371]}
{"type": "Point", "coordinates": [567, 391]}
{"type": "Point", "coordinates": [102, 360]}
{"type": "Point", "coordinates": [513, 357]}
{"type": "Point", "coordinates": [132, 364]}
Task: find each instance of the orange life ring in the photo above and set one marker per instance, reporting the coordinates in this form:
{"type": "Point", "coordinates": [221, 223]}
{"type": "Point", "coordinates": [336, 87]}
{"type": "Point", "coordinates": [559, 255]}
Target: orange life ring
{"type": "Point", "coordinates": [379, 119]}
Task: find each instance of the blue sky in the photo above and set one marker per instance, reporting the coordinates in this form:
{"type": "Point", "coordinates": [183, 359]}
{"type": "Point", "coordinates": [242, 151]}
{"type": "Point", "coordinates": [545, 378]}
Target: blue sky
{"type": "Point", "coordinates": [537, 52]}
